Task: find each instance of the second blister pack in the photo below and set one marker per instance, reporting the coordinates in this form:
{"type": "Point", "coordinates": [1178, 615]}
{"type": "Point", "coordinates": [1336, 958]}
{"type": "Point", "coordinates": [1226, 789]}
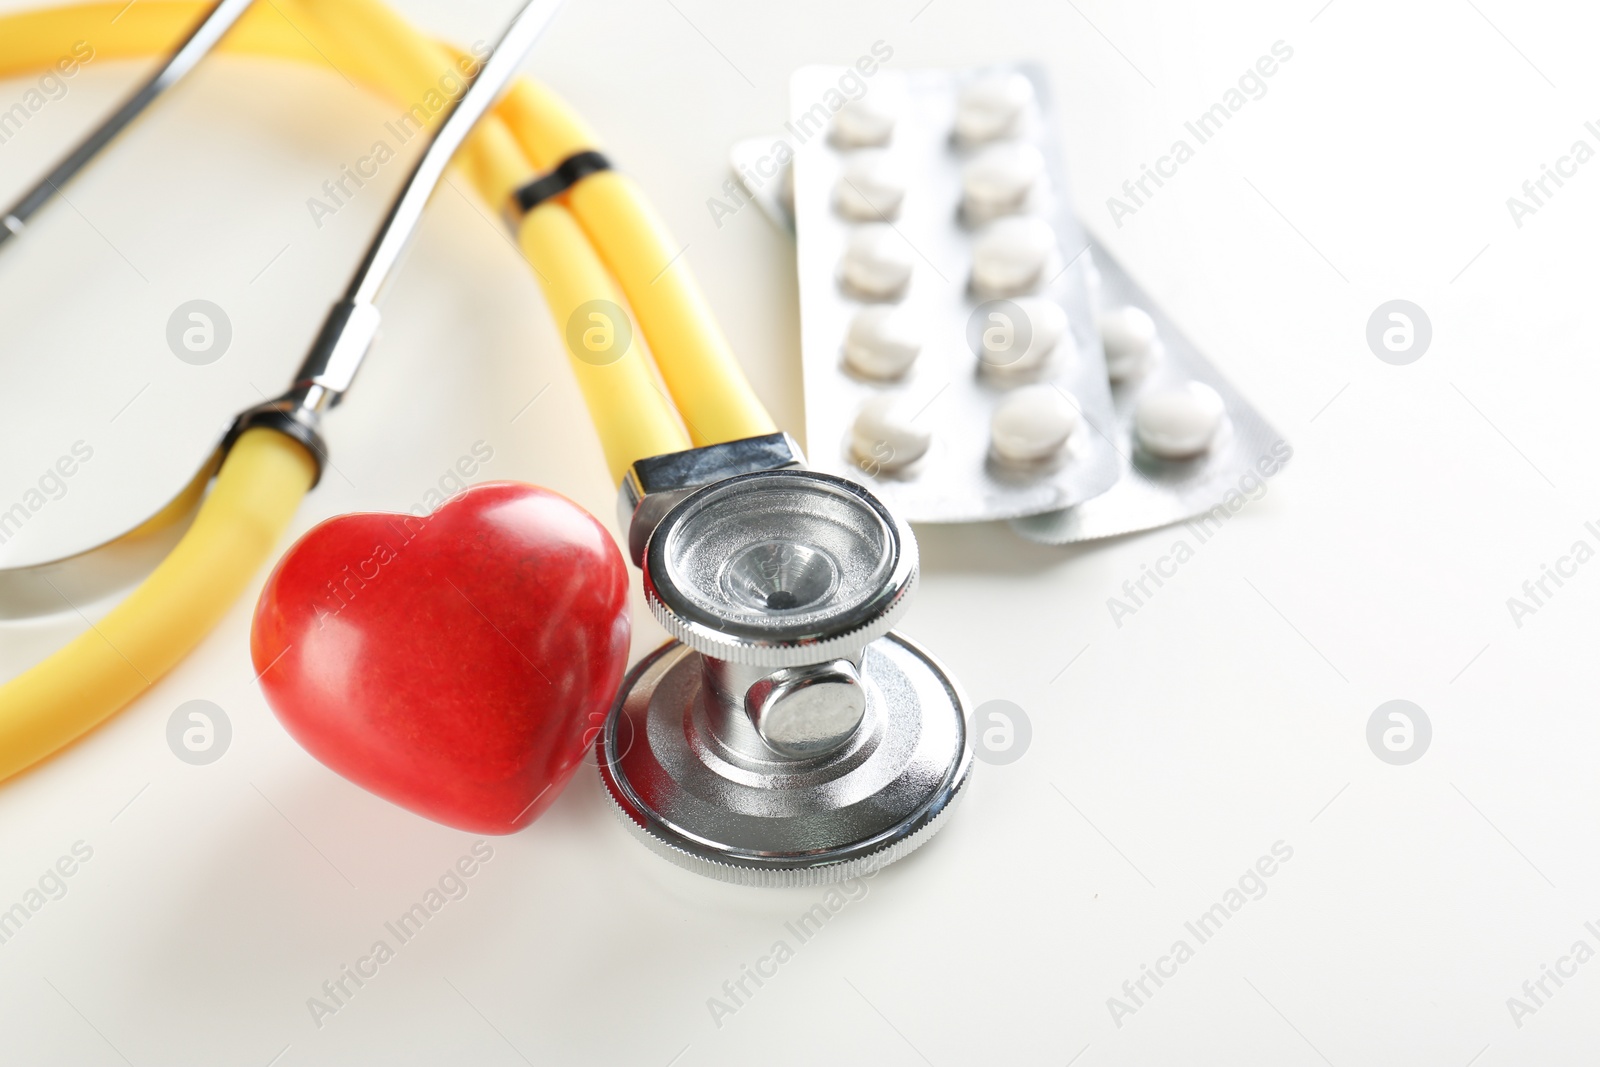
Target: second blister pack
{"type": "Point", "coordinates": [1189, 445]}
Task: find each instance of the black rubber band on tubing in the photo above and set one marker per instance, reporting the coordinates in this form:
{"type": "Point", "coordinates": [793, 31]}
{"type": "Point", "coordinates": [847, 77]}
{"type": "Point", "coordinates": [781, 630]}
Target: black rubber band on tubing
{"type": "Point", "coordinates": [567, 173]}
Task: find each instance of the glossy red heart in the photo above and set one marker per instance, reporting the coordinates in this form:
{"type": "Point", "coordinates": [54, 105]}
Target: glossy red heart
{"type": "Point", "coordinates": [458, 664]}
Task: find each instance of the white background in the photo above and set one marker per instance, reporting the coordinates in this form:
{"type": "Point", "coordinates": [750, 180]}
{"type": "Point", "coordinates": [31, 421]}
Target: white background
{"type": "Point", "coordinates": [1228, 714]}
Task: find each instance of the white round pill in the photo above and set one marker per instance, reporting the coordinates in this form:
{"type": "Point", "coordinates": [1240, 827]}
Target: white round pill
{"type": "Point", "coordinates": [866, 121]}
{"type": "Point", "coordinates": [877, 261]}
{"type": "Point", "coordinates": [1179, 422]}
{"type": "Point", "coordinates": [1009, 254]}
{"type": "Point", "coordinates": [1032, 424]}
{"type": "Point", "coordinates": [1000, 178]}
{"type": "Point", "coordinates": [883, 341]}
{"type": "Point", "coordinates": [1131, 341]}
{"type": "Point", "coordinates": [885, 435]}
{"type": "Point", "coordinates": [992, 105]}
{"type": "Point", "coordinates": [1019, 335]}
{"type": "Point", "coordinates": [871, 186]}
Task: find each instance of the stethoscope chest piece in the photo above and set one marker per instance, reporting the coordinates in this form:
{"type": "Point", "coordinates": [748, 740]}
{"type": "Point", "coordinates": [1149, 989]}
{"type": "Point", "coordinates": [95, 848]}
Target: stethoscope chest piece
{"type": "Point", "coordinates": [786, 736]}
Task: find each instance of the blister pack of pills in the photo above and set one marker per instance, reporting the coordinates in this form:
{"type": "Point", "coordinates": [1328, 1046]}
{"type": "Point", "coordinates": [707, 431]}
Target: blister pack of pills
{"type": "Point", "coordinates": [952, 360]}
{"type": "Point", "coordinates": [1188, 444]}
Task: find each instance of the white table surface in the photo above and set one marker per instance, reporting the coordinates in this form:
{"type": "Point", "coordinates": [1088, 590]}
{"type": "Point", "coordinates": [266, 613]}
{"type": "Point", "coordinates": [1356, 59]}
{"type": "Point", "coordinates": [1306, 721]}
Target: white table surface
{"type": "Point", "coordinates": [1168, 754]}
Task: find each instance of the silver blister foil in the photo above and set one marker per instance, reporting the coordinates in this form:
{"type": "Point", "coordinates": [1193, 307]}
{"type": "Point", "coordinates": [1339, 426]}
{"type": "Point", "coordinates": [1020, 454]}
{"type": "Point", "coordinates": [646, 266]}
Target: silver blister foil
{"type": "Point", "coordinates": [952, 393]}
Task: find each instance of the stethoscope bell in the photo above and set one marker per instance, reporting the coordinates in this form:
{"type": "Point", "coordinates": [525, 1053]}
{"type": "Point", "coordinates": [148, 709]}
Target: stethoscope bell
{"type": "Point", "coordinates": [785, 736]}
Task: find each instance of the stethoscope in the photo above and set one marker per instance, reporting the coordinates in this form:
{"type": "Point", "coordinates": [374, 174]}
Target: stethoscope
{"type": "Point", "coordinates": [786, 734]}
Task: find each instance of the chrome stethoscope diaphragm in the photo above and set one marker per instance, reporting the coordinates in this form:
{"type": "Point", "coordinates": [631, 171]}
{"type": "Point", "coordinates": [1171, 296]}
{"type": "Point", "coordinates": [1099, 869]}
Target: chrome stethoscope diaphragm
{"type": "Point", "coordinates": [785, 736]}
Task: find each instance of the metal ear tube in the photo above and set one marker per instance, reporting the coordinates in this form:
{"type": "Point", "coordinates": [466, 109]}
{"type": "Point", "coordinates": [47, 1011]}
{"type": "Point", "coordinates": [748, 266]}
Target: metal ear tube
{"type": "Point", "coordinates": [786, 735]}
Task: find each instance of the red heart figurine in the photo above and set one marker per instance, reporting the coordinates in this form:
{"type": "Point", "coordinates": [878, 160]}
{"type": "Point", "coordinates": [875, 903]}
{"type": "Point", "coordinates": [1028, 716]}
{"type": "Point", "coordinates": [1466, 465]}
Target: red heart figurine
{"type": "Point", "coordinates": [457, 664]}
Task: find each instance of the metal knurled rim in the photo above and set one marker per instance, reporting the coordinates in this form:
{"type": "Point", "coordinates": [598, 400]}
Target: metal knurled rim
{"type": "Point", "coordinates": [877, 618]}
{"type": "Point", "coordinates": [733, 648]}
{"type": "Point", "coordinates": [788, 877]}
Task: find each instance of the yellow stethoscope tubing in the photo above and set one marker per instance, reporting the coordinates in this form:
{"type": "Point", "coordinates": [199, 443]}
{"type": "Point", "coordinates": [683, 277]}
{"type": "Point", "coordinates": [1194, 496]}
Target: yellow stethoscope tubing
{"type": "Point", "coordinates": [255, 495]}
{"type": "Point", "coordinates": [265, 475]}
{"type": "Point", "coordinates": [630, 415]}
{"type": "Point", "coordinates": [707, 384]}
